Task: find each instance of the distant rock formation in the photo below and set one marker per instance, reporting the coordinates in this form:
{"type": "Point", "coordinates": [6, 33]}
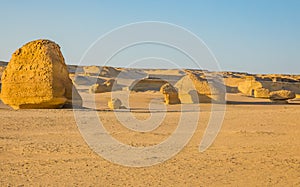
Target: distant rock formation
{"type": "Point", "coordinates": [3, 64]}
{"type": "Point", "coordinates": [87, 80]}
{"type": "Point", "coordinates": [261, 93]}
{"type": "Point", "coordinates": [194, 88]}
{"type": "Point", "coordinates": [37, 77]}
{"type": "Point", "coordinates": [103, 71]}
{"type": "Point", "coordinates": [147, 84]}
{"type": "Point", "coordinates": [2, 68]}
{"type": "Point", "coordinates": [282, 95]}
{"type": "Point", "coordinates": [252, 85]}
{"type": "Point", "coordinates": [107, 86]}
{"type": "Point", "coordinates": [170, 93]}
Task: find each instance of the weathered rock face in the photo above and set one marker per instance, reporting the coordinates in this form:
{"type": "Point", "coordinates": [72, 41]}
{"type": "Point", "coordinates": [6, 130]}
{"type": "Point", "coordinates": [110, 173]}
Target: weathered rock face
{"type": "Point", "coordinates": [107, 86]}
{"type": "Point", "coordinates": [37, 77]}
{"type": "Point", "coordinates": [261, 93]}
{"type": "Point", "coordinates": [170, 93]}
{"type": "Point", "coordinates": [86, 80]}
{"type": "Point", "coordinates": [147, 84]}
{"type": "Point", "coordinates": [103, 71]}
{"type": "Point", "coordinates": [194, 89]}
{"type": "Point", "coordinates": [250, 84]}
{"type": "Point", "coordinates": [282, 95]}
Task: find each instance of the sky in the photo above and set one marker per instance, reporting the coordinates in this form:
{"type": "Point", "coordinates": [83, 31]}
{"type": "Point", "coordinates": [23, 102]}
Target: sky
{"type": "Point", "coordinates": [255, 36]}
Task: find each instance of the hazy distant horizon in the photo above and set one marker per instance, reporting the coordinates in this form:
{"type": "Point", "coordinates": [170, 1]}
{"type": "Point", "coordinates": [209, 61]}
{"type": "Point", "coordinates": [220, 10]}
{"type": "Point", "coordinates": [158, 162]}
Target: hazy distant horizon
{"type": "Point", "coordinates": [179, 69]}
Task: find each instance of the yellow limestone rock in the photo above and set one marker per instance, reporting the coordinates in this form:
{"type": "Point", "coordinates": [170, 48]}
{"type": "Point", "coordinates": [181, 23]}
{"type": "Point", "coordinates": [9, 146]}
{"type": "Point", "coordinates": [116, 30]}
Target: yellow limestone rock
{"type": "Point", "coordinates": [282, 95]}
{"type": "Point", "coordinates": [261, 93]}
{"type": "Point", "coordinates": [251, 83]}
{"type": "Point", "coordinates": [170, 93]}
{"type": "Point", "coordinates": [248, 86]}
{"type": "Point", "coordinates": [37, 77]}
{"type": "Point", "coordinates": [195, 89]}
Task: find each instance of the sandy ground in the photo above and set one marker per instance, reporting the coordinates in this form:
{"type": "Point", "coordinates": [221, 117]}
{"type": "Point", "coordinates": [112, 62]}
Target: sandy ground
{"type": "Point", "coordinates": [257, 145]}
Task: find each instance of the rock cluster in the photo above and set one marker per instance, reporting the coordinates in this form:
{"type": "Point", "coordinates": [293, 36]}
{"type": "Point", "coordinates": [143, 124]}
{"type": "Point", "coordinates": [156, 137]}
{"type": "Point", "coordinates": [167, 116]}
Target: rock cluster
{"type": "Point", "coordinates": [258, 87]}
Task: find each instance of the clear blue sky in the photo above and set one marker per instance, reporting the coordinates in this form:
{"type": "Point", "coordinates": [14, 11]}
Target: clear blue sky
{"type": "Point", "coordinates": [257, 36]}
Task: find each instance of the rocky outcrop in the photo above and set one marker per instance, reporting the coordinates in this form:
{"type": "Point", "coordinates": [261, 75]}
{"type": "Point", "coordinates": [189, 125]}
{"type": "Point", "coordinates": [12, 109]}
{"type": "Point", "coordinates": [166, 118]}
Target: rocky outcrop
{"type": "Point", "coordinates": [194, 88]}
{"type": "Point", "coordinates": [282, 95]}
{"type": "Point", "coordinates": [170, 94]}
{"type": "Point", "coordinates": [147, 84]}
{"type": "Point", "coordinates": [87, 80]}
{"type": "Point", "coordinates": [251, 83]}
{"type": "Point", "coordinates": [37, 77]}
{"type": "Point", "coordinates": [261, 93]}
{"type": "Point", "coordinates": [107, 86]}
{"type": "Point", "coordinates": [103, 71]}
{"type": "Point", "coordinates": [248, 86]}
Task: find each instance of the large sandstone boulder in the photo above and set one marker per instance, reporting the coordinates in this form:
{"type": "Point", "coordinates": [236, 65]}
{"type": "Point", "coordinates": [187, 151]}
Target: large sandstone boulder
{"type": "Point", "coordinates": [170, 93]}
{"type": "Point", "coordinates": [37, 77]}
{"type": "Point", "coordinates": [282, 95]}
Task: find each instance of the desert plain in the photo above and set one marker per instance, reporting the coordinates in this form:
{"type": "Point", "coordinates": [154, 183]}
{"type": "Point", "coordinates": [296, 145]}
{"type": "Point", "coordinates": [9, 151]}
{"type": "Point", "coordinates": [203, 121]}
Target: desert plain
{"type": "Point", "coordinates": [258, 144]}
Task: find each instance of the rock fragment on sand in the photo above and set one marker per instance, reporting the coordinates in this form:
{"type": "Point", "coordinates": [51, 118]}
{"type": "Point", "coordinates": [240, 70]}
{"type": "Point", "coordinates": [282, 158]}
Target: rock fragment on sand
{"type": "Point", "coordinates": [115, 103]}
{"type": "Point", "coordinates": [37, 77]}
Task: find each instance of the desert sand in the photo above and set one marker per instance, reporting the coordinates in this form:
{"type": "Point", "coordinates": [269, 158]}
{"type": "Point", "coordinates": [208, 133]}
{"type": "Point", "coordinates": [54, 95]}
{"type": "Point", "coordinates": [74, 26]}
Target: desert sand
{"type": "Point", "coordinates": [257, 145]}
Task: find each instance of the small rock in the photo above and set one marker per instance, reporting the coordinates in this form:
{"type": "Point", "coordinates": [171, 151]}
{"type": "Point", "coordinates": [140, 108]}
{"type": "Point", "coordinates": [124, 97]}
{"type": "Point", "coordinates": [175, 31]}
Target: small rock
{"type": "Point", "coordinates": [115, 104]}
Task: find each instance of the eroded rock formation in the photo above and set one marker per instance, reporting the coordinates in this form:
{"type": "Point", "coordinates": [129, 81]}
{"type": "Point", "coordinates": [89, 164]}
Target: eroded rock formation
{"type": "Point", "coordinates": [170, 93]}
{"type": "Point", "coordinates": [107, 86]}
{"type": "Point", "coordinates": [37, 77]}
